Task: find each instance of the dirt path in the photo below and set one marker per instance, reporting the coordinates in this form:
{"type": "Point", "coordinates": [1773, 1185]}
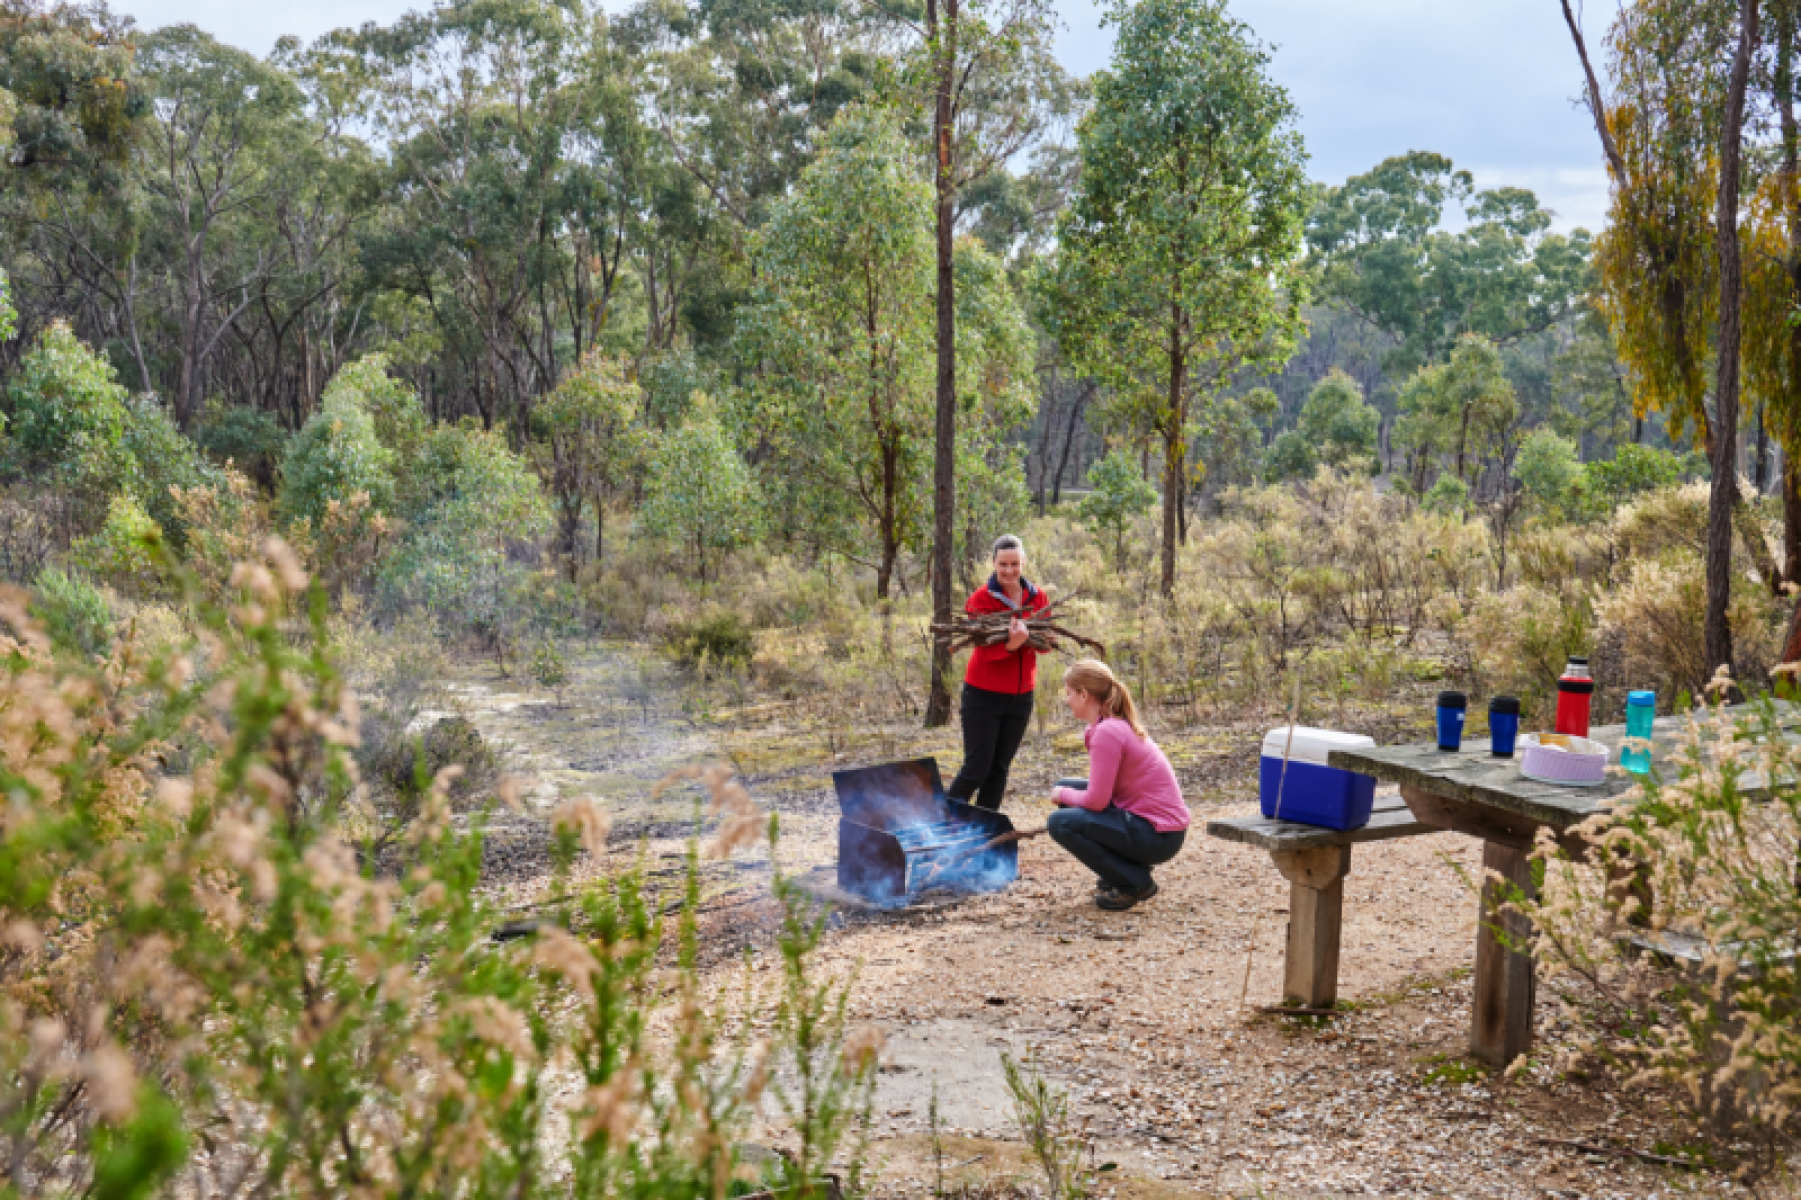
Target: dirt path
{"type": "Point", "coordinates": [1146, 1018]}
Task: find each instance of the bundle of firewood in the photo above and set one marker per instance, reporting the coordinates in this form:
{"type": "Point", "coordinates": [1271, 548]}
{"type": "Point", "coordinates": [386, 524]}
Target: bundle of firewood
{"type": "Point", "coordinates": [992, 629]}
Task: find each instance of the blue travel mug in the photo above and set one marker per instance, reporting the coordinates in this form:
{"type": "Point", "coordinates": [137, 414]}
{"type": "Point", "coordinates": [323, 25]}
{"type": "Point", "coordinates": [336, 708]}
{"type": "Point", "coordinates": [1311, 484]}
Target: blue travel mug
{"type": "Point", "coordinates": [1503, 725]}
{"type": "Point", "coordinates": [1451, 706]}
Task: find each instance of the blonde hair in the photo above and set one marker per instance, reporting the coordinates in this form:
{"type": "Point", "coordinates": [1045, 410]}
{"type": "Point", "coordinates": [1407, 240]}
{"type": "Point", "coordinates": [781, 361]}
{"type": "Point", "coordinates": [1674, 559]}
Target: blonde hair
{"type": "Point", "coordinates": [1093, 676]}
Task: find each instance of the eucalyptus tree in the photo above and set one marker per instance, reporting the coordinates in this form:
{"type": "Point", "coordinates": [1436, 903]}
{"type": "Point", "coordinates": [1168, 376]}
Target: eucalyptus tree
{"type": "Point", "coordinates": [1672, 139]}
{"type": "Point", "coordinates": [72, 111]}
{"type": "Point", "coordinates": [1454, 413]}
{"type": "Point", "coordinates": [218, 162]}
{"type": "Point", "coordinates": [588, 441]}
{"type": "Point", "coordinates": [1380, 251]}
{"type": "Point", "coordinates": [478, 102]}
{"type": "Point", "coordinates": [1178, 260]}
{"type": "Point", "coordinates": [840, 336]}
{"type": "Point", "coordinates": [992, 84]}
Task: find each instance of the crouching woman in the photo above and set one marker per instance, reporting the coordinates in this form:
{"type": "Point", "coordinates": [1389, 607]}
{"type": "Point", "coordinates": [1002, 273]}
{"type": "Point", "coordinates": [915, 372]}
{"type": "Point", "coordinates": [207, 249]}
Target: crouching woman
{"type": "Point", "coordinates": [1131, 816]}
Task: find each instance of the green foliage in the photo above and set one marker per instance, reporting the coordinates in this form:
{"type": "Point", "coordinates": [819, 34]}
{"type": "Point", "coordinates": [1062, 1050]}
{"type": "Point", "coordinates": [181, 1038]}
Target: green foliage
{"type": "Point", "coordinates": [1548, 470]}
{"type": "Point", "coordinates": [1379, 251]}
{"type": "Point", "coordinates": [163, 459]}
{"type": "Point", "coordinates": [69, 416]}
{"type": "Point", "coordinates": [1703, 877]}
{"type": "Point", "coordinates": [1290, 458]}
{"type": "Point", "coordinates": [1337, 424]}
{"type": "Point", "coordinates": [470, 499]}
{"type": "Point", "coordinates": [1457, 412]}
{"type": "Point", "coordinates": [720, 636]}
{"type": "Point", "coordinates": [1121, 494]}
{"type": "Point", "coordinates": [123, 552]}
{"type": "Point", "coordinates": [221, 900]}
{"type": "Point", "coordinates": [249, 438]}
{"type": "Point", "coordinates": [403, 765]}
{"type": "Point", "coordinates": [591, 442]}
{"type": "Point", "coordinates": [335, 456]}
{"type": "Point", "coordinates": [548, 668]}
{"type": "Point", "coordinates": [1229, 436]}
{"type": "Point", "coordinates": [700, 495]}
{"type": "Point", "coordinates": [1634, 471]}
{"type": "Point", "coordinates": [841, 336]}
{"type": "Point", "coordinates": [1177, 259]}
{"type": "Point", "coordinates": [1042, 1113]}
{"type": "Point", "coordinates": [395, 412]}
{"type": "Point", "coordinates": [9, 317]}
{"type": "Point", "coordinates": [73, 424]}
{"type": "Point", "coordinates": [72, 104]}
{"type": "Point", "coordinates": [74, 613]}
{"type": "Point", "coordinates": [1448, 496]}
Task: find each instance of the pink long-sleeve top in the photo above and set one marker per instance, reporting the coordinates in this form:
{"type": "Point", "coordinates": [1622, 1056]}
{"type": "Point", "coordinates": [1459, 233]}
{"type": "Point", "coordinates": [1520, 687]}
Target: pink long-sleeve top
{"type": "Point", "coordinates": [1131, 773]}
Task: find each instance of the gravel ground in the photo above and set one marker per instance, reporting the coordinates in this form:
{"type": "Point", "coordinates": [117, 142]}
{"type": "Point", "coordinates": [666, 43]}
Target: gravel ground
{"type": "Point", "coordinates": [1148, 1019]}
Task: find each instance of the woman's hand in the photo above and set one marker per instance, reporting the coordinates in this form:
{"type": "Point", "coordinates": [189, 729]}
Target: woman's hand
{"type": "Point", "coordinates": [1017, 633]}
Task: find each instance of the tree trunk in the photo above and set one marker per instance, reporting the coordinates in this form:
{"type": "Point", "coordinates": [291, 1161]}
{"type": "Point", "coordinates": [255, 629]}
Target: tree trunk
{"type": "Point", "coordinates": [1069, 439]}
{"type": "Point", "coordinates": [1716, 633]}
{"type": "Point", "coordinates": [1791, 520]}
{"type": "Point", "coordinates": [889, 522]}
{"type": "Point", "coordinates": [942, 29]}
{"type": "Point", "coordinates": [1788, 409]}
{"type": "Point", "coordinates": [1047, 419]}
{"type": "Point", "coordinates": [569, 522]}
{"type": "Point", "coordinates": [1175, 448]}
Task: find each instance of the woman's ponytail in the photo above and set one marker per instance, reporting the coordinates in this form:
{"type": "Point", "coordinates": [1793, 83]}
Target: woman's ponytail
{"type": "Point", "coordinates": [1094, 677]}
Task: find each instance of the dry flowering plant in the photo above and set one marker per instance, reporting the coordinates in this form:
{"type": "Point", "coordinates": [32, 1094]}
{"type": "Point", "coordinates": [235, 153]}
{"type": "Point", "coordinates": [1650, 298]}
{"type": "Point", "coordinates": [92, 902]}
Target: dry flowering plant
{"type": "Point", "coordinates": [1678, 929]}
{"type": "Point", "coordinates": [206, 988]}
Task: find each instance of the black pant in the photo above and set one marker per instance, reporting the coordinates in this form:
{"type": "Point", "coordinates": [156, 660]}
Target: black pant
{"type": "Point", "coordinates": [1117, 845]}
{"type": "Point", "coordinates": [994, 723]}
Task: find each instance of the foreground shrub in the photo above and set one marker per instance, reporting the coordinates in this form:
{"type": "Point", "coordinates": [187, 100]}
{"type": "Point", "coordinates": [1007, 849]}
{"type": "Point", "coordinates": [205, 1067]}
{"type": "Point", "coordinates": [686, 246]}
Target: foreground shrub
{"type": "Point", "coordinates": [1690, 864]}
{"type": "Point", "coordinates": [204, 989]}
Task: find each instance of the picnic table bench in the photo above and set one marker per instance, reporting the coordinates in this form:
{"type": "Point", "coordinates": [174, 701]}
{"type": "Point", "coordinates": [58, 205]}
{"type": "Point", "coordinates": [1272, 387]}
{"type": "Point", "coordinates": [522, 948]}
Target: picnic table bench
{"type": "Point", "coordinates": [1469, 791]}
{"type": "Point", "coordinates": [1315, 862]}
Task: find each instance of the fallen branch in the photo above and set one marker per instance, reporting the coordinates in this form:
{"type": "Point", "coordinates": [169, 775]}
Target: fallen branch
{"type": "Point", "coordinates": [1591, 1148]}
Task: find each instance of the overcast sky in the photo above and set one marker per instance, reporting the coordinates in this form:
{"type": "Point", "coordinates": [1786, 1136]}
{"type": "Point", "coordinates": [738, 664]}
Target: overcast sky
{"type": "Point", "coordinates": [1488, 84]}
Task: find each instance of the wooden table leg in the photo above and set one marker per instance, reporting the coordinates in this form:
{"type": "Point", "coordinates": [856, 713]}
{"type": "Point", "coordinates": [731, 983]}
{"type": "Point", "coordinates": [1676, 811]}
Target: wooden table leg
{"type": "Point", "coordinates": [1315, 918]}
{"type": "Point", "coordinates": [1501, 1017]}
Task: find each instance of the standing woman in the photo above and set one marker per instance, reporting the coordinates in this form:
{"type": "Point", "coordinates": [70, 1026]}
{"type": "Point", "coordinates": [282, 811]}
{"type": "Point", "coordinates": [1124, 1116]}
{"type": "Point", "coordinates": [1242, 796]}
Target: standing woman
{"type": "Point", "coordinates": [1000, 681]}
{"type": "Point", "coordinates": [1131, 816]}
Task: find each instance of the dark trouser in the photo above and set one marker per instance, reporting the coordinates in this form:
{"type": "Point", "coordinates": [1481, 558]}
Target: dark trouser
{"type": "Point", "coordinates": [994, 723]}
{"type": "Point", "coordinates": [1117, 845]}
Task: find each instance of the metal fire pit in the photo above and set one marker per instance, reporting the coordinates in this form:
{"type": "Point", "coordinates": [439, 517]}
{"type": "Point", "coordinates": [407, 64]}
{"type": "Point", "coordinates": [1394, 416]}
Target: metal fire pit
{"type": "Point", "coordinates": [896, 825]}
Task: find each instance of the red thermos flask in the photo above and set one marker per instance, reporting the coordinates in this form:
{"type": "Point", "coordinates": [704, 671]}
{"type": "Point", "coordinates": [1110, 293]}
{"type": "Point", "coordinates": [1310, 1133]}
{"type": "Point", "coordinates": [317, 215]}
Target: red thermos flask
{"type": "Point", "coordinates": [1575, 692]}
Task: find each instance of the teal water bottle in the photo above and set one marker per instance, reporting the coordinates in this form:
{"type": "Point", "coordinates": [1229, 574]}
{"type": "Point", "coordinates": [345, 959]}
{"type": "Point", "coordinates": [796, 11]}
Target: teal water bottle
{"type": "Point", "coordinates": [1641, 707]}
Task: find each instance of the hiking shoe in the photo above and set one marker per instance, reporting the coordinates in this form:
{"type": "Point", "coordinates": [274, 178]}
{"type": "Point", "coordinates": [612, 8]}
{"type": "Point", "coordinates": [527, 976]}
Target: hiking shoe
{"type": "Point", "coordinates": [1119, 899]}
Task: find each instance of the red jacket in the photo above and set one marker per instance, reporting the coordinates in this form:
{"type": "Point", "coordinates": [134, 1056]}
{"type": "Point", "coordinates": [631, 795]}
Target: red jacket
{"type": "Point", "coordinates": [996, 668]}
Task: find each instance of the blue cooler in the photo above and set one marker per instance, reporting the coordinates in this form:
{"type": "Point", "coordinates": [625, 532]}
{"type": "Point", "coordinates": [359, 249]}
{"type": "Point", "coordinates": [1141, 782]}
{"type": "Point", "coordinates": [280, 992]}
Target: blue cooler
{"type": "Point", "coordinates": [1313, 793]}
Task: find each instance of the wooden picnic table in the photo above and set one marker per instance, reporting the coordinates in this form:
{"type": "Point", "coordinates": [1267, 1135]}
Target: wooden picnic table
{"type": "Point", "coordinates": [1470, 791]}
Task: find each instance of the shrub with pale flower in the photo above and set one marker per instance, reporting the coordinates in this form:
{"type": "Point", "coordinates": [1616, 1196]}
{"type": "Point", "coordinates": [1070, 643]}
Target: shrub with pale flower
{"type": "Point", "coordinates": [1682, 930]}
{"type": "Point", "coordinates": [193, 954]}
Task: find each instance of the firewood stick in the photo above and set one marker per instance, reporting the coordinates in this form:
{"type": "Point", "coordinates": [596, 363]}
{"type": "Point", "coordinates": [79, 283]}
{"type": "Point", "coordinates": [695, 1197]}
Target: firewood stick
{"type": "Point", "coordinates": [1013, 835]}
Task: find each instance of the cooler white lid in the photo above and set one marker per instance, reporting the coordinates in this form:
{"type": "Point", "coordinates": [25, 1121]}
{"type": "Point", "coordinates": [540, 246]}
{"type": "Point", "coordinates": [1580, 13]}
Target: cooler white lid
{"type": "Point", "coordinates": [1311, 745]}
